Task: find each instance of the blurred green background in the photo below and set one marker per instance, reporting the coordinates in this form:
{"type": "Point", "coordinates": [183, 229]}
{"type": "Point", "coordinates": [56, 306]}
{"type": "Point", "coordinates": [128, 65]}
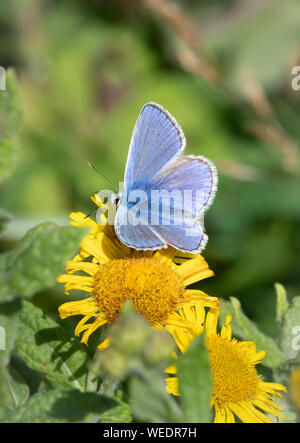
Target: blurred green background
{"type": "Point", "coordinates": [86, 68]}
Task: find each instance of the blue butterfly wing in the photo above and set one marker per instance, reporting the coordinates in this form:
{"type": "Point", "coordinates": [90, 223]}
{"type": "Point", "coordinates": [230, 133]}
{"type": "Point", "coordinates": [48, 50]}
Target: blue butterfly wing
{"type": "Point", "coordinates": [188, 237]}
{"type": "Point", "coordinates": [156, 139]}
{"type": "Point", "coordinates": [139, 236]}
{"type": "Point", "coordinates": [195, 177]}
{"type": "Point", "coordinates": [154, 164]}
{"type": "Point", "coordinates": [194, 180]}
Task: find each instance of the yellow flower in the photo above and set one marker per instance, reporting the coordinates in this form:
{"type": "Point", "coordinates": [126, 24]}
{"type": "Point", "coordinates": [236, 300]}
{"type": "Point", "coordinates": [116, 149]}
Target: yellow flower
{"type": "Point", "coordinates": [111, 273]}
{"type": "Point", "coordinates": [295, 387]}
{"type": "Point", "coordinates": [237, 388]}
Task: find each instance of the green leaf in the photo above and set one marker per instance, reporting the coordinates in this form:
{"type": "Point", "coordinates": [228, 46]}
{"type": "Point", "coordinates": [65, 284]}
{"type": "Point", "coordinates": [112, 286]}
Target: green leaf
{"type": "Point", "coordinates": [289, 338]}
{"type": "Point", "coordinates": [37, 260]}
{"type": "Point", "coordinates": [195, 386]}
{"type": "Point", "coordinates": [10, 117]}
{"type": "Point", "coordinates": [13, 389]}
{"type": "Point", "coordinates": [149, 400]}
{"type": "Point", "coordinates": [60, 407]}
{"type": "Point", "coordinates": [47, 347]}
{"type": "Point", "coordinates": [249, 331]}
{"type": "Point", "coordinates": [9, 321]}
{"type": "Point", "coordinates": [118, 414]}
{"type": "Point", "coordinates": [282, 304]}
{"type": "Point", "coordinates": [226, 308]}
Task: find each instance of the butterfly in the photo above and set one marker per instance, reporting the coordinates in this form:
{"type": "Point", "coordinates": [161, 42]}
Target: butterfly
{"type": "Point", "coordinates": [165, 193]}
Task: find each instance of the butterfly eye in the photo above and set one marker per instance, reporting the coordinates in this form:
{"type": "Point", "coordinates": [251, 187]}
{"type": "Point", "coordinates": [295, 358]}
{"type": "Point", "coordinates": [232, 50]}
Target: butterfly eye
{"type": "Point", "coordinates": [115, 199]}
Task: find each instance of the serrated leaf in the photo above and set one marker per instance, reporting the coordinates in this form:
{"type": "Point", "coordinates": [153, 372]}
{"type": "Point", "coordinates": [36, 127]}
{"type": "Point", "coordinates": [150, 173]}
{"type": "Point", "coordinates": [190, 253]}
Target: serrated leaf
{"type": "Point", "coordinates": [249, 331]}
{"type": "Point", "coordinates": [37, 260]}
{"type": "Point", "coordinates": [289, 338]}
{"type": "Point", "coordinates": [195, 386]}
{"type": "Point", "coordinates": [13, 389]}
{"type": "Point", "coordinates": [282, 303]}
{"type": "Point", "coordinates": [47, 347]}
{"type": "Point", "coordinates": [57, 406]}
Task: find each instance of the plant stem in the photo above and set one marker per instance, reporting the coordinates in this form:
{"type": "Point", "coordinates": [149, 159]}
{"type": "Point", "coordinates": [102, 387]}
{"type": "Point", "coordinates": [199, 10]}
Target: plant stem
{"type": "Point", "coordinates": [108, 386]}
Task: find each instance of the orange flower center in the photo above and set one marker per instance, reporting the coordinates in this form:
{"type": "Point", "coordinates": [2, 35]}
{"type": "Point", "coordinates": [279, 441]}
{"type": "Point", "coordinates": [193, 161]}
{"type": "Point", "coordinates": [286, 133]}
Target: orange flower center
{"type": "Point", "coordinates": [152, 285]}
{"type": "Point", "coordinates": [234, 376]}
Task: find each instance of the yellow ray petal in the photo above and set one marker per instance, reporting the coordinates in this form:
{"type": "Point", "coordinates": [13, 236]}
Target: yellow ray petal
{"type": "Point", "coordinates": [103, 345]}
{"type": "Point", "coordinates": [100, 321]}
{"type": "Point", "coordinates": [82, 326]}
{"type": "Point", "coordinates": [89, 268]}
{"type": "Point", "coordinates": [79, 307]}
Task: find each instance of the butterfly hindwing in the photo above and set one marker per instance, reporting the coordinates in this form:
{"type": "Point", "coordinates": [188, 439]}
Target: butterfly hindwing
{"type": "Point", "coordinates": [187, 237]}
{"type": "Point", "coordinates": [138, 236]}
{"type": "Point", "coordinates": [194, 179]}
{"type": "Point", "coordinates": [190, 182]}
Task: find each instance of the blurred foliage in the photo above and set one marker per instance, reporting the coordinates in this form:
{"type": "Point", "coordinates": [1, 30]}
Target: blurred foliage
{"type": "Point", "coordinates": [139, 356]}
{"type": "Point", "coordinates": [84, 70]}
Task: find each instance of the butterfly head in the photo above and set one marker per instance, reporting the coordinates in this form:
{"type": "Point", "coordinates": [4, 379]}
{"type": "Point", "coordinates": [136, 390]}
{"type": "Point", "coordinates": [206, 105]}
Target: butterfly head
{"type": "Point", "coordinates": [115, 199]}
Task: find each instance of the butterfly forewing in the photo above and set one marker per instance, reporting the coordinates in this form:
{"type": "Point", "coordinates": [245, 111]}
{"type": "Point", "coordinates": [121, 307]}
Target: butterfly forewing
{"type": "Point", "coordinates": [156, 139]}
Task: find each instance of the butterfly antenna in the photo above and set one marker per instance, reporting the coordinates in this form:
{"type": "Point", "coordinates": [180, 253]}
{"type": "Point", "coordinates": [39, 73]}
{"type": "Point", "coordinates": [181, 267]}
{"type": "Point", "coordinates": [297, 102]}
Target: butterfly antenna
{"type": "Point", "coordinates": [102, 175]}
{"type": "Point", "coordinates": [91, 213]}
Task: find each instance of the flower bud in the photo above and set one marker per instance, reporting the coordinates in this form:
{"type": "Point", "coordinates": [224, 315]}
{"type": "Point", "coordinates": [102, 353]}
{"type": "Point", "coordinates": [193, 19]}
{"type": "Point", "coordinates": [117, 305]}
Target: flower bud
{"type": "Point", "coordinates": [130, 333]}
{"type": "Point", "coordinates": [159, 347]}
{"type": "Point", "coordinates": [113, 362]}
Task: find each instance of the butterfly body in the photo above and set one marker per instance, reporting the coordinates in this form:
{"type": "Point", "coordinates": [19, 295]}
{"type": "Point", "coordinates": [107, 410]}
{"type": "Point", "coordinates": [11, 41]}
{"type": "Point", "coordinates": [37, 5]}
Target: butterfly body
{"type": "Point", "coordinates": [165, 193]}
